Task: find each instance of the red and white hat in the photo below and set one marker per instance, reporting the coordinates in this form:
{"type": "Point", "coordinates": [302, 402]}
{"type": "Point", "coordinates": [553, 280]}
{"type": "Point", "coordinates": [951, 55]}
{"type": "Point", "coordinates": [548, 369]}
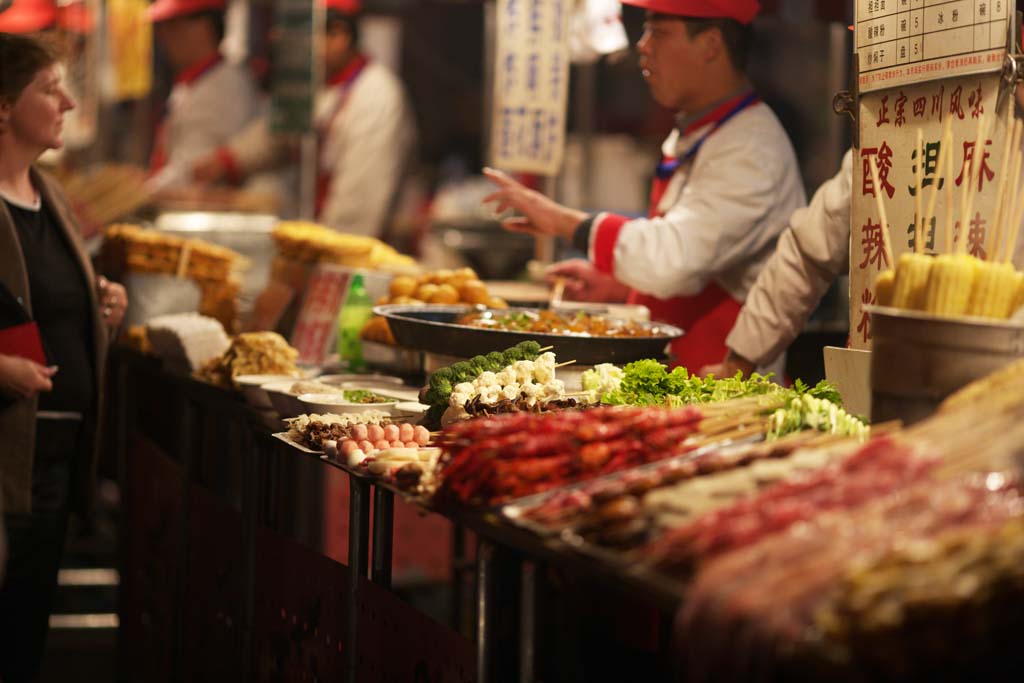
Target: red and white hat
{"type": "Point", "coordinates": [343, 6]}
{"type": "Point", "coordinates": [28, 16]}
{"type": "Point", "coordinates": [742, 11]}
{"type": "Point", "coordinates": [76, 17]}
{"type": "Point", "coordinates": [162, 10]}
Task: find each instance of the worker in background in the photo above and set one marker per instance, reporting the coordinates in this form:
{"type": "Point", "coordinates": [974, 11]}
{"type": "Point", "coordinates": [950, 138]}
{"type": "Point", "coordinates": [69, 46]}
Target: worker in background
{"type": "Point", "coordinates": [211, 99]}
{"type": "Point", "coordinates": [723, 192]}
{"type": "Point", "coordinates": [365, 134]}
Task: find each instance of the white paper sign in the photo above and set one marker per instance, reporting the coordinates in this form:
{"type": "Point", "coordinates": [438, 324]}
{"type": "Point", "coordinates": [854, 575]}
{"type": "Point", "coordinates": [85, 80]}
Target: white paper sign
{"type": "Point", "coordinates": [531, 85]}
{"type": "Point", "coordinates": [909, 41]}
{"type": "Point", "coordinates": [889, 122]}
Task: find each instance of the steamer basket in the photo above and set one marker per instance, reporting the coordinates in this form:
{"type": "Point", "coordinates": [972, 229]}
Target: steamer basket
{"type": "Point", "coordinates": [918, 359]}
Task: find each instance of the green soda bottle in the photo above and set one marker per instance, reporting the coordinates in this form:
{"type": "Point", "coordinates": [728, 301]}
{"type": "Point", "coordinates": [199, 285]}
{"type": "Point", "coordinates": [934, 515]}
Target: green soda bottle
{"type": "Point", "coordinates": [357, 310]}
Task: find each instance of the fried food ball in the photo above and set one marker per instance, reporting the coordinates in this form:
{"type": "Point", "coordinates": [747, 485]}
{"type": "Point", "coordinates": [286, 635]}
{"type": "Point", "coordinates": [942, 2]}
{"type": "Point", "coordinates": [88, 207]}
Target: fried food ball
{"type": "Point", "coordinates": [402, 285]}
{"type": "Point", "coordinates": [474, 292]}
{"type": "Point", "coordinates": [446, 294]}
{"type": "Point", "coordinates": [425, 291]}
{"type": "Point", "coordinates": [497, 302]}
{"type": "Point", "coordinates": [383, 300]}
{"type": "Point", "coordinates": [443, 276]}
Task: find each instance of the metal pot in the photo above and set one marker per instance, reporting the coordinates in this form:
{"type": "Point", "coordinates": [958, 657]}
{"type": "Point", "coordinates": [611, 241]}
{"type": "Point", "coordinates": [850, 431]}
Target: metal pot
{"type": "Point", "coordinates": [918, 359]}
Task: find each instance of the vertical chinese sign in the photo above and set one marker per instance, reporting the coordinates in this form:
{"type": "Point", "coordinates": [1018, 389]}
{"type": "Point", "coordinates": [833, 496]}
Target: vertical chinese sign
{"type": "Point", "coordinates": [295, 72]}
{"type": "Point", "coordinates": [318, 318]}
{"type": "Point", "coordinates": [531, 85]}
{"type": "Point", "coordinates": [923, 62]}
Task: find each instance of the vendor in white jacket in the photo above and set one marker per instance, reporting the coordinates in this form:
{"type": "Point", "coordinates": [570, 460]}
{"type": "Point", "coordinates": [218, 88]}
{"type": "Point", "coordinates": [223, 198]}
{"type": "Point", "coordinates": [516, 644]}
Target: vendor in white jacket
{"type": "Point", "coordinates": [365, 134]}
{"type": "Point", "coordinates": [211, 99]}
{"type": "Point", "coordinates": [723, 192]}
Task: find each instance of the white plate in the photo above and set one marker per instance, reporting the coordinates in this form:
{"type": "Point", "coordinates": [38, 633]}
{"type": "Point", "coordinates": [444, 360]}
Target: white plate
{"type": "Point", "coordinates": [355, 377]}
{"type": "Point", "coordinates": [251, 387]}
{"type": "Point", "coordinates": [410, 409]}
{"type": "Point", "coordinates": [401, 393]}
{"type": "Point", "coordinates": [335, 403]}
{"type": "Point", "coordinates": [286, 403]}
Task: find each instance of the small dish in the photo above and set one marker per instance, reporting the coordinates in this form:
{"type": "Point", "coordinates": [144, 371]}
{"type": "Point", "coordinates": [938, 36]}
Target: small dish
{"type": "Point", "coordinates": [284, 401]}
{"type": "Point", "coordinates": [371, 378]}
{"type": "Point", "coordinates": [336, 403]}
{"type": "Point", "coordinates": [410, 409]}
{"type": "Point", "coordinates": [397, 392]}
{"type": "Point", "coordinates": [252, 390]}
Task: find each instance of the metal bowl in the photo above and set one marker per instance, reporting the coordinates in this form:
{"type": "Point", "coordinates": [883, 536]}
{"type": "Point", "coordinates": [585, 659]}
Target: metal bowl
{"type": "Point", "coordinates": [432, 328]}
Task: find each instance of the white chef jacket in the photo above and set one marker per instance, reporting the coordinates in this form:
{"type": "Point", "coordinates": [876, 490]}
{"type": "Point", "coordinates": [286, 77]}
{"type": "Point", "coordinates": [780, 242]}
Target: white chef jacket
{"type": "Point", "coordinates": [367, 134]}
{"type": "Point", "coordinates": [812, 252]}
{"type": "Point", "coordinates": [719, 217]}
{"type": "Point", "coordinates": [204, 111]}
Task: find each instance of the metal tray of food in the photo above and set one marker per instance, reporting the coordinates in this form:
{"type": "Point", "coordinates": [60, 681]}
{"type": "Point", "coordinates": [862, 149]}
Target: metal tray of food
{"type": "Point", "coordinates": [433, 328]}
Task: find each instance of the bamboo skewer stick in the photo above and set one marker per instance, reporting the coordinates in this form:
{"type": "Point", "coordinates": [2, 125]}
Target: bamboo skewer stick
{"type": "Point", "coordinates": [976, 162]}
{"type": "Point", "coordinates": [1004, 166]}
{"type": "Point", "coordinates": [918, 199]}
{"type": "Point", "coordinates": [1009, 203]}
{"type": "Point", "coordinates": [886, 238]}
{"type": "Point", "coordinates": [1011, 242]}
{"type": "Point", "coordinates": [944, 150]}
{"type": "Point", "coordinates": [949, 194]}
{"type": "Point", "coordinates": [562, 365]}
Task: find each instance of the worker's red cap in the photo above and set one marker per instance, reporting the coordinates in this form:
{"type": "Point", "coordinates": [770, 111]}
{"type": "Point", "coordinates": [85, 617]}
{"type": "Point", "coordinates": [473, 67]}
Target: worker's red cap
{"type": "Point", "coordinates": [76, 17]}
{"type": "Point", "coordinates": [742, 11]}
{"type": "Point", "coordinates": [344, 6]}
{"type": "Point", "coordinates": [28, 16]}
{"type": "Point", "coordinates": [162, 10]}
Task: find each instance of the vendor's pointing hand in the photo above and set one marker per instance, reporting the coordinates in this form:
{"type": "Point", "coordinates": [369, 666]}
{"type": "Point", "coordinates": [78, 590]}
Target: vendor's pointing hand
{"type": "Point", "coordinates": [541, 215]}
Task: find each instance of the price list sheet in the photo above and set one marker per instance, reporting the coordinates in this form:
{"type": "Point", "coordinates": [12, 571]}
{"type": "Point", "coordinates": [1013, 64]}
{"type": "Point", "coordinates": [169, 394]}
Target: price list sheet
{"type": "Point", "coordinates": [531, 85]}
{"type": "Point", "coordinates": [909, 41]}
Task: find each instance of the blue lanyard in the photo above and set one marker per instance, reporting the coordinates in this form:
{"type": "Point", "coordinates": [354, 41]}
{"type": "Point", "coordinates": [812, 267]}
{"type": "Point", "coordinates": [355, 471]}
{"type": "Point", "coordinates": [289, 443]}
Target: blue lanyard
{"type": "Point", "coordinates": [666, 168]}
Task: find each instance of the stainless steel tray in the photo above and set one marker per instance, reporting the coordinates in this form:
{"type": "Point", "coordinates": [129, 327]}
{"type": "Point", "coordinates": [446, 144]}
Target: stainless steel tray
{"type": "Point", "coordinates": [432, 328]}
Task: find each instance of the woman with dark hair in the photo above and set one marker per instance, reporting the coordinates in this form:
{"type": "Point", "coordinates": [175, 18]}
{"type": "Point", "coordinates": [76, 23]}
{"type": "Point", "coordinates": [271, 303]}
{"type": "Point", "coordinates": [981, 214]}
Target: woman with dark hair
{"type": "Point", "coordinates": [47, 410]}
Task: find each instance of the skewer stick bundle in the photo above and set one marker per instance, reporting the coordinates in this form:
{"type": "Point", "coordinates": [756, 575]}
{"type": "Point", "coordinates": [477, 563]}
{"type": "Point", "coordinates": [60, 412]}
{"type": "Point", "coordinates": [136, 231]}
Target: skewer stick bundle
{"type": "Point", "coordinates": [945, 149]}
{"type": "Point", "coordinates": [992, 243]}
{"type": "Point", "coordinates": [883, 218]}
{"type": "Point", "coordinates": [918, 199]}
{"type": "Point", "coordinates": [975, 172]}
{"type": "Point", "coordinates": [949, 193]}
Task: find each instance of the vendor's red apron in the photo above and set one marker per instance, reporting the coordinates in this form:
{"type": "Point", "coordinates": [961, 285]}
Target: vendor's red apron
{"type": "Point", "coordinates": [325, 172]}
{"type": "Point", "coordinates": [160, 153]}
{"type": "Point", "coordinates": [708, 317]}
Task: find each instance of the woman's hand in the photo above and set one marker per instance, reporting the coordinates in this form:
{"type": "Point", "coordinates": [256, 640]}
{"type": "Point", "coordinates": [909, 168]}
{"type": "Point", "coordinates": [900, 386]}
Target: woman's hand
{"type": "Point", "coordinates": [23, 378]}
{"type": "Point", "coordinates": [541, 215]}
{"type": "Point", "coordinates": [113, 301]}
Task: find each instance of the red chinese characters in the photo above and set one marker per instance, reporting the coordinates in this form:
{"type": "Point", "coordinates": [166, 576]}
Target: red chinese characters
{"type": "Point", "coordinates": [873, 243]}
{"type": "Point", "coordinates": [883, 158]}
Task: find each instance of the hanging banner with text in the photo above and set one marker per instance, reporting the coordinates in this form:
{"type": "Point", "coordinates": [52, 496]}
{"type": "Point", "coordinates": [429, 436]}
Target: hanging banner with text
{"type": "Point", "coordinates": [295, 70]}
{"type": "Point", "coordinates": [889, 122]}
{"type": "Point", "coordinates": [531, 85]}
{"type": "Point", "coordinates": [908, 41]}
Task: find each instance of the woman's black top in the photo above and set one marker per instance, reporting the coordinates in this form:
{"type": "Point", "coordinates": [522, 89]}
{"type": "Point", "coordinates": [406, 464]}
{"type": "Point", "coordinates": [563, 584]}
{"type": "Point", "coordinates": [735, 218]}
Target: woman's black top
{"type": "Point", "coordinates": [60, 306]}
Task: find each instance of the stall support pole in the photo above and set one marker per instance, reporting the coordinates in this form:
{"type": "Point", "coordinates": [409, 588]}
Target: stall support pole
{"type": "Point", "coordinates": [383, 526]}
{"type": "Point", "coordinates": [358, 540]}
{"type": "Point", "coordinates": [527, 622]}
{"type": "Point", "coordinates": [484, 567]}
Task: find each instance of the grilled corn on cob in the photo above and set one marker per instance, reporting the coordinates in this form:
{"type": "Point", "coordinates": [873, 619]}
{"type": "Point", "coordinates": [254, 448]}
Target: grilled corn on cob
{"type": "Point", "coordinates": [993, 291]}
{"type": "Point", "coordinates": [949, 284]}
{"type": "Point", "coordinates": [1018, 299]}
{"type": "Point", "coordinates": [911, 281]}
{"type": "Point", "coordinates": [884, 285]}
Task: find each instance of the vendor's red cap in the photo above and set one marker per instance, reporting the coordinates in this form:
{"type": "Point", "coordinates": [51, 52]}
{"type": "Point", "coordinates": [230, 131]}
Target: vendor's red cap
{"type": "Point", "coordinates": [343, 6]}
{"type": "Point", "coordinates": [742, 11]}
{"type": "Point", "coordinates": [76, 18]}
{"type": "Point", "coordinates": [28, 16]}
{"type": "Point", "coordinates": [162, 10]}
